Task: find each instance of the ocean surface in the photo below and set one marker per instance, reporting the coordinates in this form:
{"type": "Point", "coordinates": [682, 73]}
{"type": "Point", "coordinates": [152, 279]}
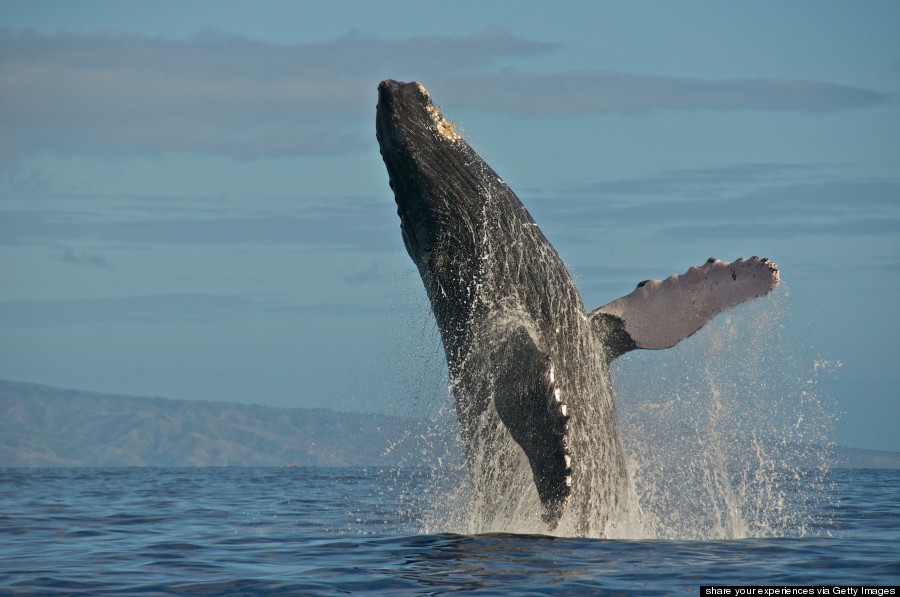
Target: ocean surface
{"type": "Point", "coordinates": [324, 531]}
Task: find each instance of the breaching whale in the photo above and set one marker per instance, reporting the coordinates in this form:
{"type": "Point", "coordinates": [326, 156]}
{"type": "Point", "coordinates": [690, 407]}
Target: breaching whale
{"type": "Point", "coordinates": [528, 366]}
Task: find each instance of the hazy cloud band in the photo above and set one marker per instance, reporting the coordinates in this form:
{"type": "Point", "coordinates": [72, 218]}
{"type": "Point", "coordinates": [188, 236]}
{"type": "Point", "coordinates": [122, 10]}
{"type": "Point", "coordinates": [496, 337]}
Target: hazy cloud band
{"type": "Point", "coordinates": [108, 93]}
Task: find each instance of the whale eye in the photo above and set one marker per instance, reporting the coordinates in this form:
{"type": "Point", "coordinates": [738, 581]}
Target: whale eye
{"type": "Point", "coordinates": [641, 284]}
{"type": "Point", "coordinates": [711, 260]}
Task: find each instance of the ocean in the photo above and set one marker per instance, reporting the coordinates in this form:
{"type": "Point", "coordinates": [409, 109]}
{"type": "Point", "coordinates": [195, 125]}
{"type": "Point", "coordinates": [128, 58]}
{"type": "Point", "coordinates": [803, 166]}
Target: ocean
{"type": "Point", "coordinates": [334, 531]}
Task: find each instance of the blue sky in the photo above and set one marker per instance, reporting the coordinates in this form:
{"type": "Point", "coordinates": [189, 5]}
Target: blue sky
{"type": "Point", "coordinates": [192, 202]}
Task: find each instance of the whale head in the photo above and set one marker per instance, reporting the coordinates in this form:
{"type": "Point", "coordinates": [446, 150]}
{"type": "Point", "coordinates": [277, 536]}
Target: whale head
{"type": "Point", "coordinates": [412, 136]}
{"type": "Point", "coordinates": [439, 185]}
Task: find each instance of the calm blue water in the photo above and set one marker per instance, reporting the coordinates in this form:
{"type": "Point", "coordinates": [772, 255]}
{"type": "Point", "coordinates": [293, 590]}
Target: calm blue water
{"type": "Point", "coordinates": [245, 531]}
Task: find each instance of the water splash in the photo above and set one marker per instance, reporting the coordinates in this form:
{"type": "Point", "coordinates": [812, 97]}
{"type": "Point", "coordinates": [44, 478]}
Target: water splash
{"type": "Point", "coordinates": [702, 457]}
{"type": "Point", "coordinates": [728, 436]}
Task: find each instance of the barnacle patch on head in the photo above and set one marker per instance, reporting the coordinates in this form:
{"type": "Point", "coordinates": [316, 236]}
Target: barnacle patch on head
{"type": "Point", "coordinates": [444, 127]}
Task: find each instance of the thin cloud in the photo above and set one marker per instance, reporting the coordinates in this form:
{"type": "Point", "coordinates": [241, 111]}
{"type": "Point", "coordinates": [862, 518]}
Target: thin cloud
{"type": "Point", "coordinates": [371, 274]}
{"type": "Point", "coordinates": [165, 309]}
{"type": "Point", "coordinates": [346, 223]}
{"type": "Point", "coordinates": [83, 258]}
{"type": "Point", "coordinates": [125, 94]}
{"type": "Point", "coordinates": [783, 230]}
{"type": "Point", "coordinates": [591, 91]}
{"type": "Point", "coordinates": [689, 182]}
{"type": "Point", "coordinates": [119, 94]}
{"type": "Point", "coordinates": [149, 309]}
{"type": "Point", "coordinates": [609, 279]}
{"type": "Point", "coordinates": [771, 188]}
{"type": "Point", "coordinates": [768, 201]}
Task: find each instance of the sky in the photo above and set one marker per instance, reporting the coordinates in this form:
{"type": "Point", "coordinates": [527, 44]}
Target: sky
{"type": "Point", "coordinates": [193, 204]}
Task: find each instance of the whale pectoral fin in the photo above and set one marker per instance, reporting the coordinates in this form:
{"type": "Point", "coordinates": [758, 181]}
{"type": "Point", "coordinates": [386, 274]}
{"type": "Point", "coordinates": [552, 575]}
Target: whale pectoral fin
{"type": "Point", "coordinates": [611, 330]}
{"type": "Point", "coordinates": [528, 402]}
{"type": "Point", "coordinates": [659, 314]}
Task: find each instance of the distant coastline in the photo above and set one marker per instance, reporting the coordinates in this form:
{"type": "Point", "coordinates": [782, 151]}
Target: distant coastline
{"type": "Point", "coordinates": [47, 426]}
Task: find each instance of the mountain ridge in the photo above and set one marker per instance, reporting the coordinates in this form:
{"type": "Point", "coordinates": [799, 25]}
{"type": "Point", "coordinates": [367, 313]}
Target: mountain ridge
{"type": "Point", "coordinates": [42, 425]}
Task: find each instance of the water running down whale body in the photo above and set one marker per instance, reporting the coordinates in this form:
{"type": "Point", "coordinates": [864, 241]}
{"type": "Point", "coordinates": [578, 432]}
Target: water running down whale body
{"type": "Point", "coordinates": [529, 367]}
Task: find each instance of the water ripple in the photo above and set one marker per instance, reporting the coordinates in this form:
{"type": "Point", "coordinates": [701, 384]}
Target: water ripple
{"type": "Point", "coordinates": [226, 532]}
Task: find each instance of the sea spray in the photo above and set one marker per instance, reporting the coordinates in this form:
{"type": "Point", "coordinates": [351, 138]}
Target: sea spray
{"type": "Point", "coordinates": [502, 496]}
{"type": "Point", "coordinates": [528, 367]}
{"type": "Point", "coordinates": [728, 434]}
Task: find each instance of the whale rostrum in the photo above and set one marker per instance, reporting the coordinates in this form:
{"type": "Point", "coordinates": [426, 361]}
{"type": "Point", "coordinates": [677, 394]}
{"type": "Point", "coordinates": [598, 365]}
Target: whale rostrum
{"type": "Point", "coordinates": [529, 367]}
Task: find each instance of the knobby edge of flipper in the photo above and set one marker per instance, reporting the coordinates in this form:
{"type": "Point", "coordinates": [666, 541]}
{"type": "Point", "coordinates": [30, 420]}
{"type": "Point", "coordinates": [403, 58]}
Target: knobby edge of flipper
{"type": "Point", "coordinates": [660, 313]}
{"type": "Point", "coordinates": [529, 402]}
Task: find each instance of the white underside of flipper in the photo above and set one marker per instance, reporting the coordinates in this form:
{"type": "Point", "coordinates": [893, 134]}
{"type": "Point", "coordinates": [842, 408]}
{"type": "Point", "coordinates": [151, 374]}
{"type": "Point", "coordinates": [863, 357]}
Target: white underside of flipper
{"type": "Point", "coordinates": [660, 313]}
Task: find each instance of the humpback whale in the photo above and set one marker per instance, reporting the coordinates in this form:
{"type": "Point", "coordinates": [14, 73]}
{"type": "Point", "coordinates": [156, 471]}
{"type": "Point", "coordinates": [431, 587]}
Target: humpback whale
{"type": "Point", "coordinates": [528, 365]}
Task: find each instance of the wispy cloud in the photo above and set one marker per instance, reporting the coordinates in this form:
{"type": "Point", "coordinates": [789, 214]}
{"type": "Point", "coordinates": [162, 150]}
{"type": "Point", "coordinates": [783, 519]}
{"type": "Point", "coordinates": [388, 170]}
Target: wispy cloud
{"type": "Point", "coordinates": [213, 93]}
{"type": "Point", "coordinates": [84, 258]}
{"type": "Point", "coordinates": [164, 309]}
{"type": "Point", "coordinates": [783, 230]}
{"type": "Point", "coordinates": [694, 182]}
{"type": "Point", "coordinates": [738, 201]}
{"type": "Point", "coordinates": [371, 274]}
{"type": "Point", "coordinates": [581, 92]}
{"type": "Point", "coordinates": [151, 309]}
{"type": "Point", "coordinates": [345, 223]}
{"type": "Point", "coordinates": [118, 94]}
